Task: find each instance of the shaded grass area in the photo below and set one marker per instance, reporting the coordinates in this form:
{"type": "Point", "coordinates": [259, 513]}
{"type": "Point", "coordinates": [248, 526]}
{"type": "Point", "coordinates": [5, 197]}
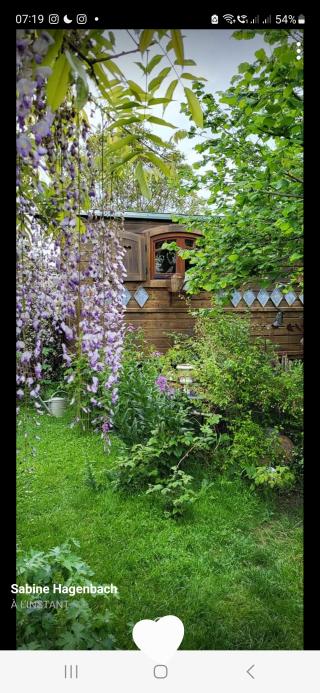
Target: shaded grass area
{"type": "Point", "coordinates": [232, 571]}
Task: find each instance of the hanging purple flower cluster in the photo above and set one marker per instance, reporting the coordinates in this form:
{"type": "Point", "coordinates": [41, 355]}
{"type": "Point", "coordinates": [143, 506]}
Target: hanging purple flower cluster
{"type": "Point", "coordinates": [34, 119]}
{"type": "Point", "coordinates": [95, 286]}
{"type": "Point", "coordinates": [70, 282]}
{"type": "Point", "coordinates": [103, 310]}
{"type": "Point", "coordinates": [37, 308]}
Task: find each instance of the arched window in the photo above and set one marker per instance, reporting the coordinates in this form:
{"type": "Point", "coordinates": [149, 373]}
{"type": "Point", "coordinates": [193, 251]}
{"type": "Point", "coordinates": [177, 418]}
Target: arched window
{"type": "Point", "coordinates": [164, 263]}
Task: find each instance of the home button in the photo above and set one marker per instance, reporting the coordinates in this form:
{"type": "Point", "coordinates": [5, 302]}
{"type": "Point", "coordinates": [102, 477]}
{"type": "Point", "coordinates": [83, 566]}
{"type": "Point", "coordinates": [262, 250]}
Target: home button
{"type": "Point", "coordinates": [160, 671]}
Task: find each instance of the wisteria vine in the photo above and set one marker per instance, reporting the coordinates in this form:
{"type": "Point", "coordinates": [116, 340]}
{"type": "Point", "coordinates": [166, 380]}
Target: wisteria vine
{"type": "Point", "coordinates": [69, 276]}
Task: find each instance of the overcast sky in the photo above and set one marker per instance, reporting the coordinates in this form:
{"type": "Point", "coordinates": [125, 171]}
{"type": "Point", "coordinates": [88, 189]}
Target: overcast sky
{"type": "Point", "coordinates": [217, 56]}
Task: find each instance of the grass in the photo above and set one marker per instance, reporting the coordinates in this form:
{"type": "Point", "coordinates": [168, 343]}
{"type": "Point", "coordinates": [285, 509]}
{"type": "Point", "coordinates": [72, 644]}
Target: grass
{"type": "Point", "coordinates": [232, 572]}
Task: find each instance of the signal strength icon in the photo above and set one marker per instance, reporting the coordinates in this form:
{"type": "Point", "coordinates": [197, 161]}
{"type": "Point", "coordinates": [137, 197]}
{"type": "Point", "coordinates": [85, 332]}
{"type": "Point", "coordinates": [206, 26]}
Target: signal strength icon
{"type": "Point", "coordinates": [255, 20]}
{"type": "Point", "coordinates": [267, 20]}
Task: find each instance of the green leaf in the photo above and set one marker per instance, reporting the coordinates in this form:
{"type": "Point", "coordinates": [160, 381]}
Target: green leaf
{"type": "Point", "coordinates": [58, 83]}
{"type": "Point", "coordinates": [123, 122]}
{"type": "Point", "coordinates": [180, 135]}
{"type": "Point", "coordinates": [142, 67]}
{"type": "Point", "coordinates": [160, 121]}
{"type": "Point", "coordinates": [121, 142]}
{"type": "Point", "coordinates": [153, 62]}
{"type": "Point", "coordinates": [100, 39]}
{"type": "Point", "coordinates": [185, 62]}
{"type": "Point", "coordinates": [194, 106]}
{"type": "Point", "coordinates": [54, 49]}
{"type": "Point", "coordinates": [129, 104]}
{"type": "Point", "coordinates": [101, 75]}
{"type": "Point", "coordinates": [154, 102]}
{"type": "Point", "coordinates": [261, 55]}
{"type": "Point", "coordinates": [243, 67]}
{"type": "Point", "coordinates": [113, 67]}
{"type": "Point", "coordinates": [159, 163]}
{"type": "Point", "coordinates": [154, 138]}
{"type": "Point", "coordinates": [146, 37]}
{"type": "Point", "coordinates": [159, 79]}
{"type": "Point", "coordinates": [242, 34]}
{"type": "Point", "coordinates": [188, 75]}
{"type": "Point", "coordinates": [171, 88]}
{"type": "Point", "coordinates": [170, 91]}
{"type": "Point", "coordinates": [136, 89]}
{"type": "Point", "coordinates": [82, 93]}
{"type": "Point", "coordinates": [295, 257]}
{"type": "Point", "coordinates": [128, 157]}
{"type": "Point", "coordinates": [177, 45]}
{"type": "Point", "coordinates": [76, 65]}
{"type": "Point", "coordinates": [81, 79]}
{"type": "Point", "coordinates": [141, 178]}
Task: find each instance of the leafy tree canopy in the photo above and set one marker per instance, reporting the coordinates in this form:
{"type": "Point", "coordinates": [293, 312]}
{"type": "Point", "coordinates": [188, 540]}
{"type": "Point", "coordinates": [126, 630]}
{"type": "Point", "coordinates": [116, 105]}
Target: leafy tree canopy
{"type": "Point", "coordinates": [87, 62]}
{"type": "Point", "coordinates": [129, 188]}
{"type": "Point", "coordinates": [253, 152]}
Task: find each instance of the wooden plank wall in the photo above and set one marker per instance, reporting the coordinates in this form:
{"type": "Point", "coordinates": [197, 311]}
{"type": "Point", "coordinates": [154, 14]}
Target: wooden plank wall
{"type": "Point", "coordinates": [165, 312]}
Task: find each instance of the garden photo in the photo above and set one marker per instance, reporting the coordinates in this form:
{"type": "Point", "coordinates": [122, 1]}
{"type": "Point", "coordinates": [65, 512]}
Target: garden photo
{"type": "Point", "coordinates": [159, 323]}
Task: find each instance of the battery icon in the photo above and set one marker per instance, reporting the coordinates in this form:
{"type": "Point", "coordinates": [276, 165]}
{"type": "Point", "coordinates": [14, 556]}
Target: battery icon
{"type": "Point", "coordinates": [301, 19]}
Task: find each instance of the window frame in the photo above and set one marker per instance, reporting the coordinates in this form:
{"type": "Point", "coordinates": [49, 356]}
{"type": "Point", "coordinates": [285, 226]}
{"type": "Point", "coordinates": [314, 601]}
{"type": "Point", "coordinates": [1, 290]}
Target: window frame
{"type": "Point", "coordinates": [179, 237]}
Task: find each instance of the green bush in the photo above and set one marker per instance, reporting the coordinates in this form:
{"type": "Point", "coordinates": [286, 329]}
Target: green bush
{"type": "Point", "coordinates": [256, 452]}
{"type": "Point", "coordinates": [149, 466]}
{"type": "Point", "coordinates": [177, 493]}
{"type": "Point", "coordinates": [235, 373]}
{"type": "Point", "coordinates": [242, 379]}
{"type": "Point", "coordinates": [152, 461]}
{"type": "Point", "coordinates": [77, 627]}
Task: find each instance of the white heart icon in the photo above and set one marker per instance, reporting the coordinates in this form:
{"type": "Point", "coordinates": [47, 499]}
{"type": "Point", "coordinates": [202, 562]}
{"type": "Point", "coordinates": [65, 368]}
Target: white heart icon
{"type": "Point", "coordinates": [159, 639]}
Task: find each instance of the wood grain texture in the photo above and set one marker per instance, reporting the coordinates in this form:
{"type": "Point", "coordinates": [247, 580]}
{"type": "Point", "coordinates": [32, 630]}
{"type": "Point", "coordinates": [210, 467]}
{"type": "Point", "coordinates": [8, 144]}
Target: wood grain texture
{"type": "Point", "coordinates": [163, 313]}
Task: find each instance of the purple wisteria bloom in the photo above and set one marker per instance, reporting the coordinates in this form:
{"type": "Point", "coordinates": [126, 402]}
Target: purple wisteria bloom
{"type": "Point", "coordinates": [24, 146]}
{"type": "Point", "coordinates": [42, 128]}
{"type": "Point", "coordinates": [38, 370]}
{"type": "Point", "coordinates": [94, 385]}
{"type": "Point", "coordinates": [26, 357]}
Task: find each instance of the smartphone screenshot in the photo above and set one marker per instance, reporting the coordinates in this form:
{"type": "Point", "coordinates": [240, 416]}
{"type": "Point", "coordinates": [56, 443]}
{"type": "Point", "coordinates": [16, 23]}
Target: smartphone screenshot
{"type": "Point", "coordinates": [159, 538]}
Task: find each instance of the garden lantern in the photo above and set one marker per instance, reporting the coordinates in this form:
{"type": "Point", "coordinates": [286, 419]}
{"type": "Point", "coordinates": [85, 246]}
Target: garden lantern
{"type": "Point", "coordinates": [185, 373]}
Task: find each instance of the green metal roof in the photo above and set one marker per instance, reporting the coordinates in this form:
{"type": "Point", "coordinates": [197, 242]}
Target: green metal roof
{"type": "Point", "coordinates": [151, 216]}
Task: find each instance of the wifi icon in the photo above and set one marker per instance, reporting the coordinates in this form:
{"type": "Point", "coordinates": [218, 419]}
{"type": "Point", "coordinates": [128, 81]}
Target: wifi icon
{"type": "Point", "coordinates": [229, 18]}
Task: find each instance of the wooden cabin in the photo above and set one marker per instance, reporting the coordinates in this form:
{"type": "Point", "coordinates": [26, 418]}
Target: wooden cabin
{"type": "Point", "coordinates": [156, 302]}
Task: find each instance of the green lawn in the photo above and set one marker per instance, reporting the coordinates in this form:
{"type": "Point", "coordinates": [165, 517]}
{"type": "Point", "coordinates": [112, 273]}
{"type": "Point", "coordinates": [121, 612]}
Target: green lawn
{"type": "Point", "coordinates": [232, 572]}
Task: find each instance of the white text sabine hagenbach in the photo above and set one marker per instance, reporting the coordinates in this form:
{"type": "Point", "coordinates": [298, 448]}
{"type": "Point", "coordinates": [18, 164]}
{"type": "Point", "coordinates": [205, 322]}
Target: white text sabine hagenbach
{"type": "Point", "coordinates": [58, 588]}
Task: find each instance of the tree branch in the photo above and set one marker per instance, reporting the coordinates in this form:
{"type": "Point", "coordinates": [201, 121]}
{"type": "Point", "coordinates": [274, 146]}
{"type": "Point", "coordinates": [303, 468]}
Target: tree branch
{"type": "Point", "coordinates": [93, 61]}
{"type": "Point", "coordinates": [298, 180]}
{"type": "Point", "coordinates": [112, 57]}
